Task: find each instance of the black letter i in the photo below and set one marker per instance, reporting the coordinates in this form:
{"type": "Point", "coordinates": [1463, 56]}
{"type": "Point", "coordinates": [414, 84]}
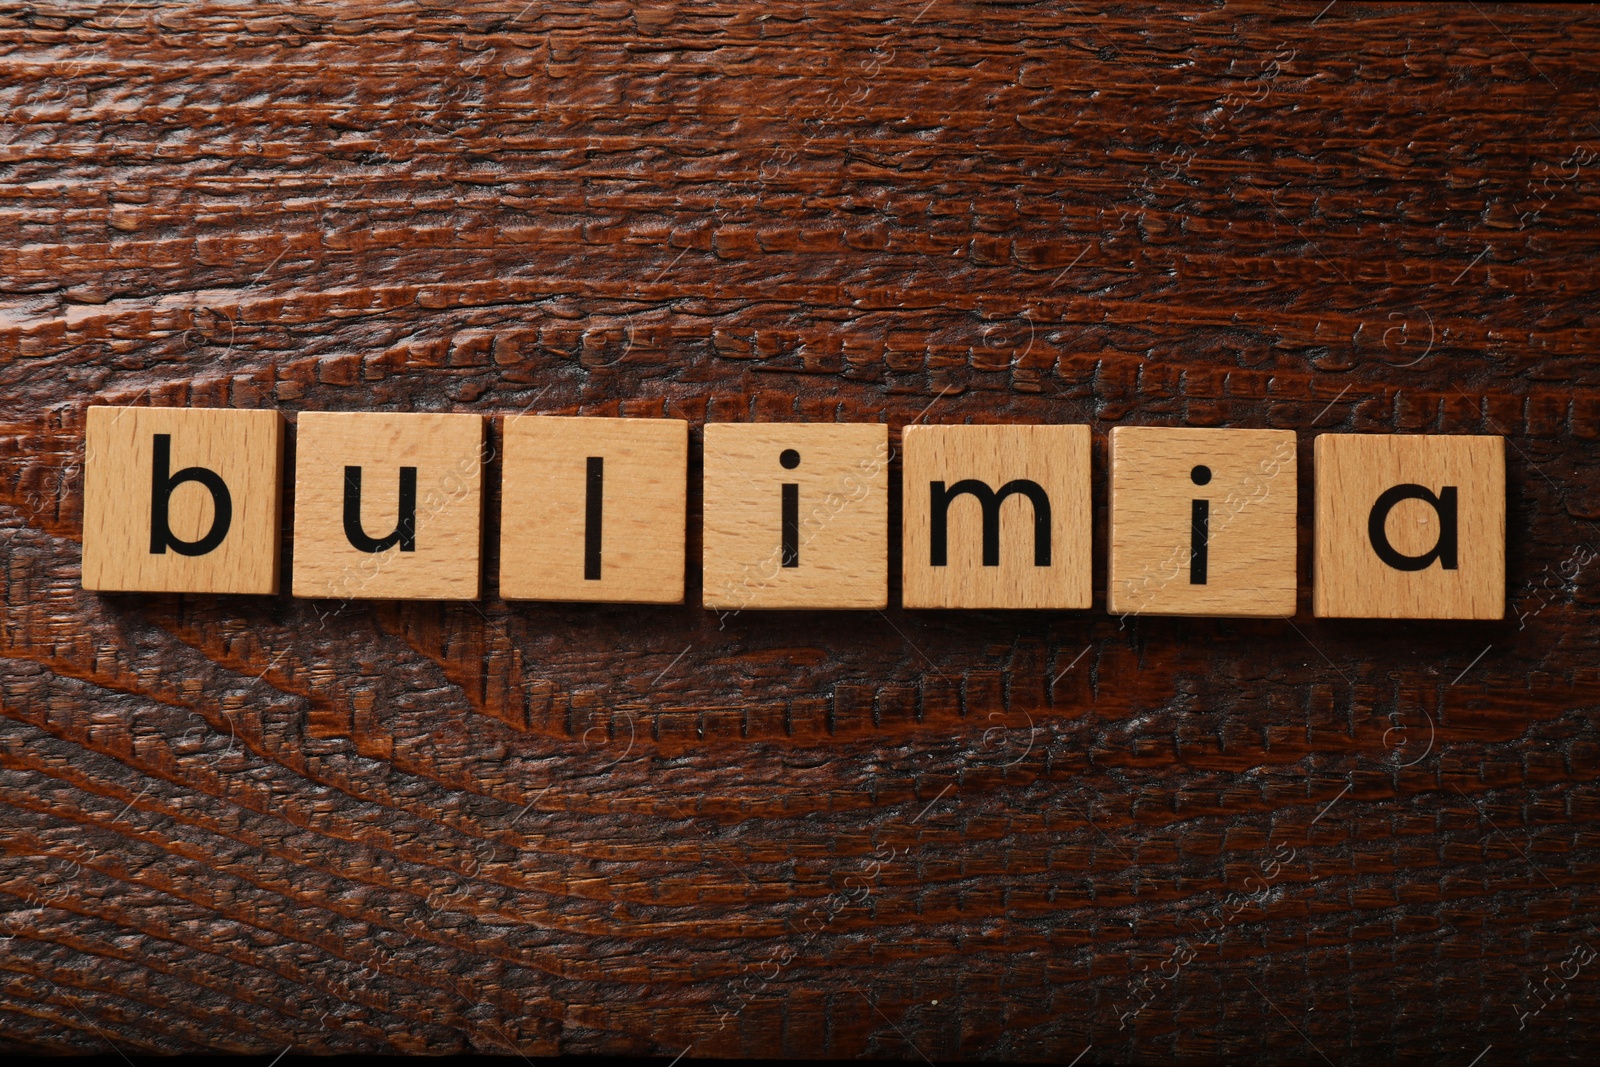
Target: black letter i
{"type": "Point", "coordinates": [791, 510]}
{"type": "Point", "coordinates": [1200, 535]}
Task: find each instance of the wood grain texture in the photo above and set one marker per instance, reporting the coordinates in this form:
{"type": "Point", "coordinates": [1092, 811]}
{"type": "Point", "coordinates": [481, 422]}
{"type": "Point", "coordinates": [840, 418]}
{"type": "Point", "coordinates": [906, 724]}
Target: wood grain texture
{"type": "Point", "coordinates": [248, 823]}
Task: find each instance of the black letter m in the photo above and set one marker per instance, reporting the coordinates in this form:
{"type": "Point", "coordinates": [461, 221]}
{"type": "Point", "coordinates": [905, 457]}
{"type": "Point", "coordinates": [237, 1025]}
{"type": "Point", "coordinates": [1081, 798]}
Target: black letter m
{"type": "Point", "coordinates": [990, 501]}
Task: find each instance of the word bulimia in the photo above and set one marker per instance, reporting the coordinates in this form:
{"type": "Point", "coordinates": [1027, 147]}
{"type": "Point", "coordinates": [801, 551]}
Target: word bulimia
{"type": "Point", "coordinates": [793, 515]}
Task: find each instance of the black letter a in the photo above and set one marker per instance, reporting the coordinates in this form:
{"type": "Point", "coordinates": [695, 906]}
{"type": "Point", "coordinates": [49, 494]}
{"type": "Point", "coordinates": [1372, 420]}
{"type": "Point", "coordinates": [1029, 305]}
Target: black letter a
{"type": "Point", "coordinates": [405, 530]}
{"type": "Point", "coordinates": [1444, 548]}
{"type": "Point", "coordinates": [161, 487]}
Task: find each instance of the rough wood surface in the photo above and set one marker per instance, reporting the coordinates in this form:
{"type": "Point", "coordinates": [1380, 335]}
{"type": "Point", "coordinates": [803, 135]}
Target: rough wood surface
{"type": "Point", "coordinates": [249, 823]}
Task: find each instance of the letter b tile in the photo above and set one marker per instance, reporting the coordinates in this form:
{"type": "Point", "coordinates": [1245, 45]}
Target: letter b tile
{"type": "Point", "coordinates": [388, 506]}
{"type": "Point", "coordinates": [997, 517]}
{"type": "Point", "coordinates": [1410, 526]}
{"type": "Point", "coordinates": [181, 500]}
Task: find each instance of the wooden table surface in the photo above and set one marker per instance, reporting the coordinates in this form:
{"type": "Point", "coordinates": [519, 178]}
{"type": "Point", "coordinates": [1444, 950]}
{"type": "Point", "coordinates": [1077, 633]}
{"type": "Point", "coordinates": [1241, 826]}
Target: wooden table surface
{"type": "Point", "coordinates": [248, 824]}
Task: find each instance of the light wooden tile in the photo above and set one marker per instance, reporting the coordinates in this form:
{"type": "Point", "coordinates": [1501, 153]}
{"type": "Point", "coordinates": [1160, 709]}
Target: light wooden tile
{"type": "Point", "coordinates": [216, 474]}
{"type": "Point", "coordinates": [796, 516]}
{"type": "Point", "coordinates": [593, 509]}
{"type": "Point", "coordinates": [1202, 522]}
{"type": "Point", "coordinates": [997, 517]}
{"type": "Point", "coordinates": [369, 552]}
{"type": "Point", "coordinates": [1435, 505]}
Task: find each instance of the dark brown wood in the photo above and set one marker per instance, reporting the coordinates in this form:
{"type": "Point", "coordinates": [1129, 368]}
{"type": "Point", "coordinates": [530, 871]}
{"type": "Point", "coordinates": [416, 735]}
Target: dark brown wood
{"type": "Point", "coordinates": [253, 823]}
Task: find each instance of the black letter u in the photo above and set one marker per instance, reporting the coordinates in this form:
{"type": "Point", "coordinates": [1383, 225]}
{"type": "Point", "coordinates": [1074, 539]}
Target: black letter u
{"type": "Point", "coordinates": [405, 530]}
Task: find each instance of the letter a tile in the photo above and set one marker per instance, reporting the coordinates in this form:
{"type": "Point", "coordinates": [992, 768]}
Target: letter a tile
{"type": "Point", "coordinates": [593, 509]}
{"type": "Point", "coordinates": [388, 506]}
{"type": "Point", "coordinates": [796, 516]}
{"type": "Point", "coordinates": [1410, 526]}
{"type": "Point", "coordinates": [997, 517]}
{"type": "Point", "coordinates": [181, 500]}
{"type": "Point", "coordinates": [1202, 522]}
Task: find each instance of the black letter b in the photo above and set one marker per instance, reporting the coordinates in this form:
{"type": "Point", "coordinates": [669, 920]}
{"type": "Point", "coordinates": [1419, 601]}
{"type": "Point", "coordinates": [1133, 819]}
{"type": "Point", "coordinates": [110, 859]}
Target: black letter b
{"type": "Point", "coordinates": [161, 486]}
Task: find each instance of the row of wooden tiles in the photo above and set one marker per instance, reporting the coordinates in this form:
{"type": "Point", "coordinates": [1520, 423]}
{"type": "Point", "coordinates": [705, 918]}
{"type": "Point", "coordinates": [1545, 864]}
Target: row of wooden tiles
{"type": "Point", "coordinates": [390, 506]}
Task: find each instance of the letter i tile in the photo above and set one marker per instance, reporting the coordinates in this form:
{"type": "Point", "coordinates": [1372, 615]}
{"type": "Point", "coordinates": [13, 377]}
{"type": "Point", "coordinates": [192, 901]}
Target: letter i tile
{"type": "Point", "coordinates": [796, 516]}
{"type": "Point", "coordinates": [1202, 522]}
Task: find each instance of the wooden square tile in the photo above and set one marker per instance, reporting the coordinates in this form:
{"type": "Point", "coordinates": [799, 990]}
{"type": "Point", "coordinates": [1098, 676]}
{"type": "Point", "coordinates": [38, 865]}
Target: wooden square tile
{"type": "Point", "coordinates": [1410, 526]}
{"type": "Point", "coordinates": [1202, 522]}
{"type": "Point", "coordinates": [796, 516]}
{"type": "Point", "coordinates": [388, 506]}
{"type": "Point", "coordinates": [593, 509]}
{"type": "Point", "coordinates": [182, 500]}
{"type": "Point", "coordinates": [997, 517]}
